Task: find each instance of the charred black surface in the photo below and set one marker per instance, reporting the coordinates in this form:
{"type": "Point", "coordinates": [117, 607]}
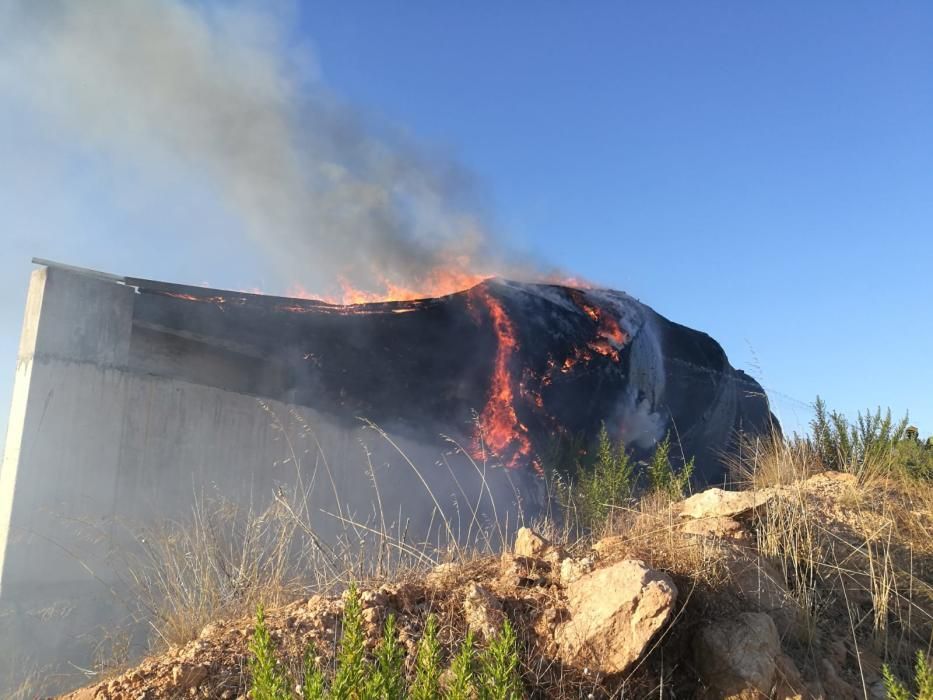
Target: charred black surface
{"type": "Point", "coordinates": [427, 367]}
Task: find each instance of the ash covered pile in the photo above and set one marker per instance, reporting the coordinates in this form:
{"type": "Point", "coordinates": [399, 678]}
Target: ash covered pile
{"type": "Point", "coordinates": [514, 368]}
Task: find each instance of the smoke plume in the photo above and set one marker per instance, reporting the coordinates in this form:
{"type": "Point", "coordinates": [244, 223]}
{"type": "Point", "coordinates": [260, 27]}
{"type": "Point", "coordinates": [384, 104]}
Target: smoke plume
{"type": "Point", "coordinates": [227, 93]}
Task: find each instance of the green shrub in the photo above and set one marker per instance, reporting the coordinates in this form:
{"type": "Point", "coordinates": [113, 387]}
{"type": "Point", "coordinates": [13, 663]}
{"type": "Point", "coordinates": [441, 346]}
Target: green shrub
{"type": "Point", "coordinates": [461, 685]}
{"type": "Point", "coordinates": [313, 686]}
{"type": "Point", "coordinates": [426, 684]}
{"type": "Point", "coordinates": [846, 446]}
{"type": "Point", "coordinates": [499, 676]}
{"type": "Point", "coordinates": [388, 680]}
{"type": "Point", "coordinates": [349, 677]}
{"type": "Point", "coordinates": [609, 483]}
{"type": "Point", "coordinates": [923, 680]}
{"type": "Point", "coordinates": [873, 440]}
{"type": "Point", "coordinates": [494, 676]}
{"type": "Point", "coordinates": [663, 476]}
{"type": "Point", "coordinates": [268, 682]}
{"type": "Point", "coordinates": [916, 458]}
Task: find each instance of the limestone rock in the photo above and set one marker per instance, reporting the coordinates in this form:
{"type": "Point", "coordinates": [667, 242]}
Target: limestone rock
{"type": "Point", "coordinates": [189, 675]}
{"type": "Point", "coordinates": [406, 597]}
{"type": "Point", "coordinates": [614, 613]}
{"type": "Point", "coordinates": [736, 658]}
{"type": "Point", "coordinates": [572, 569]}
{"type": "Point", "coordinates": [718, 527]}
{"type": "Point", "coordinates": [442, 574]}
{"type": "Point", "coordinates": [718, 503]}
{"type": "Point", "coordinates": [531, 545]}
{"type": "Point", "coordinates": [522, 572]}
{"type": "Point", "coordinates": [482, 611]}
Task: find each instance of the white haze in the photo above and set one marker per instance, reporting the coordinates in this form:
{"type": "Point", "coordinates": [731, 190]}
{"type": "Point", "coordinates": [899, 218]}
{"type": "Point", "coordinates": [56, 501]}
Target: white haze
{"type": "Point", "coordinates": [223, 93]}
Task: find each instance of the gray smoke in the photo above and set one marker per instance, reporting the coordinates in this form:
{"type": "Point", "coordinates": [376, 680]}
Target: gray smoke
{"type": "Point", "coordinates": [224, 92]}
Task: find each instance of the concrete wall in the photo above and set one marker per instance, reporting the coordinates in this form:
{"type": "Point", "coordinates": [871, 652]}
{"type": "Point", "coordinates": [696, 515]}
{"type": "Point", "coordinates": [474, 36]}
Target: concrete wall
{"type": "Point", "coordinates": [98, 450]}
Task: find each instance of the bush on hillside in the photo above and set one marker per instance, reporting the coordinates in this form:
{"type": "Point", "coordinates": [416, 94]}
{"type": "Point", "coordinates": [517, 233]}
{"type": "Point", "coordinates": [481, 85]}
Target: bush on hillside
{"type": "Point", "coordinates": [664, 477]}
{"type": "Point", "coordinates": [611, 480]}
{"type": "Point", "coordinates": [492, 674]}
{"type": "Point", "coordinates": [872, 441]}
{"type": "Point", "coordinates": [609, 483]}
{"type": "Point", "coordinates": [923, 680]}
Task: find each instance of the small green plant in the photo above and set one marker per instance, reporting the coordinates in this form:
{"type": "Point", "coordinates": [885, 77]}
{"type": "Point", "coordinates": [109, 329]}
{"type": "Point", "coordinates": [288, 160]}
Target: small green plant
{"type": "Point", "coordinates": [846, 446]}
{"type": "Point", "coordinates": [313, 686]}
{"type": "Point", "coordinates": [916, 457]}
{"type": "Point", "coordinates": [349, 679]}
{"type": "Point", "coordinates": [268, 682]}
{"type": "Point", "coordinates": [388, 680]}
{"type": "Point", "coordinates": [663, 477]}
{"type": "Point", "coordinates": [426, 684]}
{"type": "Point", "coordinates": [923, 680]}
{"type": "Point", "coordinates": [499, 676]}
{"type": "Point", "coordinates": [610, 482]}
{"type": "Point", "coordinates": [873, 443]}
{"type": "Point", "coordinates": [462, 678]}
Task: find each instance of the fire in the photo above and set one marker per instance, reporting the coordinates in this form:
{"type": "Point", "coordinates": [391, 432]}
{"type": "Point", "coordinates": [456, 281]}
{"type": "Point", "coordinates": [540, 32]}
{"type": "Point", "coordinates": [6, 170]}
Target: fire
{"type": "Point", "coordinates": [609, 334]}
{"type": "Point", "coordinates": [528, 391]}
{"type": "Point", "coordinates": [608, 342]}
{"type": "Point", "coordinates": [437, 283]}
{"type": "Point", "coordinates": [612, 330]}
{"type": "Point", "coordinates": [499, 430]}
{"type": "Point", "coordinates": [499, 427]}
{"type": "Point", "coordinates": [215, 299]}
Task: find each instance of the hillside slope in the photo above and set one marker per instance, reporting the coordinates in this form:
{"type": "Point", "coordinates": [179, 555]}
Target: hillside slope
{"type": "Point", "coordinates": [800, 590]}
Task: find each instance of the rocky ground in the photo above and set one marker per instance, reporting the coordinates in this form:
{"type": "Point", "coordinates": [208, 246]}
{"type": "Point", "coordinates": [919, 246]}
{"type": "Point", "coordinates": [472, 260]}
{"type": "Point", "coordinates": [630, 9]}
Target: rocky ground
{"type": "Point", "coordinates": [754, 594]}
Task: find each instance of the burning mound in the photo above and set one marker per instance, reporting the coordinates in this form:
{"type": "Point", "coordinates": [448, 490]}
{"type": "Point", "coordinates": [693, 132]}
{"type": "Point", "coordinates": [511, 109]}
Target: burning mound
{"type": "Point", "coordinates": [523, 370]}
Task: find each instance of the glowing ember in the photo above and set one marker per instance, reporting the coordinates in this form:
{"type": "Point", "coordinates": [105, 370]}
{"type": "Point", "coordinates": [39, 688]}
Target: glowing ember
{"type": "Point", "coordinates": [528, 392]}
{"type": "Point", "coordinates": [216, 299]}
{"type": "Point", "coordinates": [191, 297]}
{"type": "Point", "coordinates": [609, 335]}
{"type": "Point", "coordinates": [499, 427]}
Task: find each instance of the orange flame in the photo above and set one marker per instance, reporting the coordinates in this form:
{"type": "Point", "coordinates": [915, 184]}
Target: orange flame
{"type": "Point", "coordinates": [437, 283]}
{"type": "Point", "coordinates": [609, 334]}
{"type": "Point", "coordinates": [499, 427]}
{"type": "Point", "coordinates": [499, 430]}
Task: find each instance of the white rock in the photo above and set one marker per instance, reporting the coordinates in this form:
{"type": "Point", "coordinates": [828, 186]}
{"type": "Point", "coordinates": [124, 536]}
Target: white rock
{"type": "Point", "coordinates": [718, 503]}
{"type": "Point", "coordinates": [614, 614]}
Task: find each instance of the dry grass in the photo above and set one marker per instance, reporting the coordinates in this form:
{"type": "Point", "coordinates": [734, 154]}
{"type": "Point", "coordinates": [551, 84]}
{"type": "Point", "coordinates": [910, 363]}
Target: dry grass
{"type": "Point", "coordinates": [772, 461]}
{"type": "Point", "coordinates": [226, 559]}
{"type": "Point", "coordinates": [650, 530]}
{"type": "Point", "coordinates": [855, 551]}
{"type": "Point", "coordinates": [855, 555]}
{"type": "Point", "coordinates": [222, 562]}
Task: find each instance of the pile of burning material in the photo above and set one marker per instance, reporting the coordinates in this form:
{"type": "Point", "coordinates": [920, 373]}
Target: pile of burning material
{"type": "Point", "coordinates": [510, 368]}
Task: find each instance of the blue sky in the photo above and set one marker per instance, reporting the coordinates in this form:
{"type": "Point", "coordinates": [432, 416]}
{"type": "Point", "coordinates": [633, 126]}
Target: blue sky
{"type": "Point", "coordinates": [761, 172]}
